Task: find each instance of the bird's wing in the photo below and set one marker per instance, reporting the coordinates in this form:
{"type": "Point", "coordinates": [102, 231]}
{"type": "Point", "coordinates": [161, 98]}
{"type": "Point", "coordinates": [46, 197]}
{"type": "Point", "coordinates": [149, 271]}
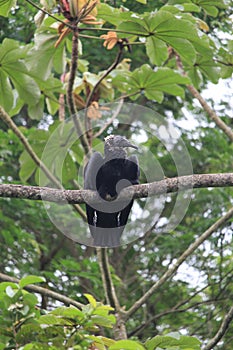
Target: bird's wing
{"type": "Point", "coordinates": [90, 173]}
{"type": "Point", "coordinates": [132, 173]}
{"type": "Point", "coordinates": [91, 170]}
{"type": "Point", "coordinates": [133, 170]}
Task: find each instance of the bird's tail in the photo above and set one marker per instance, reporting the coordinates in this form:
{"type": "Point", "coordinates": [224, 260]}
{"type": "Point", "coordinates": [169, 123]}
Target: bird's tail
{"type": "Point", "coordinates": [106, 237]}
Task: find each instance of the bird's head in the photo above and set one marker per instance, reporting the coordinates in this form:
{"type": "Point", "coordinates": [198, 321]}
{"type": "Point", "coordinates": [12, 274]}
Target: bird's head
{"type": "Point", "coordinates": [114, 142]}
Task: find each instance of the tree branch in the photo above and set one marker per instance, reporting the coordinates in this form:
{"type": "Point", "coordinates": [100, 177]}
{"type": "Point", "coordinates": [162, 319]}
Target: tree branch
{"type": "Point", "coordinates": [42, 9]}
{"type": "Point", "coordinates": [106, 73]}
{"type": "Point", "coordinates": [110, 292]}
{"type": "Point", "coordinates": [168, 185]}
{"type": "Point", "coordinates": [106, 277]}
{"type": "Point", "coordinates": [177, 264]}
{"type": "Point", "coordinates": [70, 97]}
{"type": "Point", "coordinates": [218, 121]}
{"type": "Point", "coordinates": [222, 330]}
{"type": "Point", "coordinates": [43, 291]}
{"type": "Point", "coordinates": [6, 118]}
{"type": "Point", "coordinates": [115, 114]}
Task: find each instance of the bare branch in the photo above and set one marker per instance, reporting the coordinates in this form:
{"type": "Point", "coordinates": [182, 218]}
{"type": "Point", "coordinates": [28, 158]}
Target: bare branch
{"type": "Point", "coordinates": [43, 291]}
{"type": "Point", "coordinates": [110, 293]}
{"type": "Point", "coordinates": [167, 185]}
{"type": "Point", "coordinates": [218, 121]}
{"type": "Point", "coordinates": [222, 330]}
{"type": "Point", "coordinates": [177, 264]}
{"type": "Point", "coordinates": [70, 97]}
{"type": "Point", "coordinates": [106, 73]}
{"type": "Point", "coordinates": [49, 14]}
{"type": "Point", "coordinates": [115, 114]}
{"type": "Point", "coordinates": [7, 119]}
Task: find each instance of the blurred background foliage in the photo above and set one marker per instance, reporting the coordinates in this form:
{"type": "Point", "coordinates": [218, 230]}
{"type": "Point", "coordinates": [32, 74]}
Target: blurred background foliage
{"type": "Point", "coordinates": [197, 297]}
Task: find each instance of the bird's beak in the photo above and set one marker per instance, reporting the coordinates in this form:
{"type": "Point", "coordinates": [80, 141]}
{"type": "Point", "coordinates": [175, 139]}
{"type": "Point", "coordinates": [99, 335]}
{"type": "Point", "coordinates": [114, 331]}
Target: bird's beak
{"type": "Point", "coordinates": [128, 144]}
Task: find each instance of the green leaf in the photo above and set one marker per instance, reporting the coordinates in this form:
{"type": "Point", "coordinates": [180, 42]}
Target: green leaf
{"type": "Point", "coordinates": [6, 6]}
{"type": "Point", "coordinates": [183, 47]}
{"type": "Point", "coordinates": [126, 345]}
{"type": "Point", "coordinates": [6, 96]}
{"type": "Point", "coordinates": [36, 111]}
{"type": "Point", "coordinates": [155, 83]}
{"type": "Point", "coordinates": [91, 300]}
{"type": "Point", "coordinates": [27, 88]}
{"type": "Point", "coordinates": [44, 56]}
{"type": "Point", "coordinates": [144, 2]}
{"type": "Point", "coordinates": [102, 340]}
{"type": "Point", "coordinates": [54, 320]}
{"type": "Point", "coordinates": [109, 14]}
{"type": "Point", "coordinates": [184, 6]}
{"type": "Point", "coordinates": [103, 321]}
{"type": "Point", "coordinates": [30, 280]}
{"type": "Point", "coordinates": [182, 342]}
{"type": "Point", "coordinates": [10, 292]}
{"type": "Point", "coordinates": [156, 50]}
{"type": "Point", "coordinates": [131, 27]}
{"type": "Point", "coordinates": [27, 166]}
{"type": "Point", "coordinates": [4, 285]}
{"type": "Point", "coordinates": [13, 71]}
{"type": "Point", "coordinates": [12, 66]}
{"type": "Point", "coordinates": [70, 311]}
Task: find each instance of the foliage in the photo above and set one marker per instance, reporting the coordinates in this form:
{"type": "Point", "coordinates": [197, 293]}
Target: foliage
{"type": "Point", "coordinates": [24, 326]}
{"type": "Point", "coordinates": [162, 46]}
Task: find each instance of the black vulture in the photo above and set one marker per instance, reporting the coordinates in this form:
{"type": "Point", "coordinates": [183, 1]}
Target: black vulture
{"type": "Point", "coordinates": [108, 175]}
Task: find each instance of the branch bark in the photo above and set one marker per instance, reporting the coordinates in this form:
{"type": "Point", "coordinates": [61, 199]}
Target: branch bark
{"type": "Point", "coordinates": [222, 330]}
{"type": "Point", "coordinates": [43, 291]}
{"type": "Point", "coordinates": [110, 292]}
{"type": "Point", "coordinates": [218, 121]}
{"type": "Point", "coordinates": [6, 118]}
{"type": "Point", "coordinates": [177, 264]}
{"type": "Point", "coordinates": [168, 185]}
{"type": "Point", "coordinates": [70, 98]}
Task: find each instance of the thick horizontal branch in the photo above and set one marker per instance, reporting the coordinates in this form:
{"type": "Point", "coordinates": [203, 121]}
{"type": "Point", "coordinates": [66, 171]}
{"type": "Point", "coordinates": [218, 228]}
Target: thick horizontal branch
{"type": "Point", "coordinates": [167, 185]}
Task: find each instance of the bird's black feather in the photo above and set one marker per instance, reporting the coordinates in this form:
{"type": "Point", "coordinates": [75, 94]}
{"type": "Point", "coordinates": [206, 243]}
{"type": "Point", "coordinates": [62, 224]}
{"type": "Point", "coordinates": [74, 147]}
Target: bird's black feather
{"type": "Point", "coordinates": [108, 175]}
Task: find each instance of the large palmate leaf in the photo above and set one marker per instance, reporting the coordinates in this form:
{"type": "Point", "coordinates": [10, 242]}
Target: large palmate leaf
{"type": "Point", "coordinates": [210, 7]}
{"type": "Point", "coordinates": [44, 56]}
{"type": "Point", "coordinates": [163, 29]}
{"type": "Point", "coordinates": [153, 84]}
{"type": "Point", "coordinates": [48, 89]}
{"type": "Point", "coordinates": [13, 72]}
{"type": "Point", "coordinates": [109, 14]}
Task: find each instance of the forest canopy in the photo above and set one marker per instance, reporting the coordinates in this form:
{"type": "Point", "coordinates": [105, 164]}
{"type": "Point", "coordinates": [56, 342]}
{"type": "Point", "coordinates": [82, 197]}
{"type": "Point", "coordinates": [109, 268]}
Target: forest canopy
{"type": "Point", "coordinates": [158, 73]}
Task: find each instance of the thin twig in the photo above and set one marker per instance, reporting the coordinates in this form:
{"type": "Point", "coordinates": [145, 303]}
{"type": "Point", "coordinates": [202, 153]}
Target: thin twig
{"type": "Point", "coordinates": [70, 97]}
{"type": "Point", "coordinates": [218, 121]}
{"type": "Point", "coordinates": [110, 292]}
{"type": "Point", "coordinates": [106, 73]}
{"type": "Point", "coordinates": [221, 331]}
{"type": "Point", "coordinates": [177, 264]}
{"type": "Point", "coordinates": [49, 14]}
{"type": "Point", "coordinates": [43, 291]}
{"type": "Point", "coordinates": [115, 114]}
{"type": "Point", "coordinates": [6, 118]}
{"type": "Point", "coordinates": [115, 30]}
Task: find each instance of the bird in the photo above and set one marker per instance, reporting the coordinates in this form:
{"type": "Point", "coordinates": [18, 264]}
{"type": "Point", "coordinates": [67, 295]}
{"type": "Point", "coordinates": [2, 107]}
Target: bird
{"type": "Point", "coordinates": [108, 175]}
